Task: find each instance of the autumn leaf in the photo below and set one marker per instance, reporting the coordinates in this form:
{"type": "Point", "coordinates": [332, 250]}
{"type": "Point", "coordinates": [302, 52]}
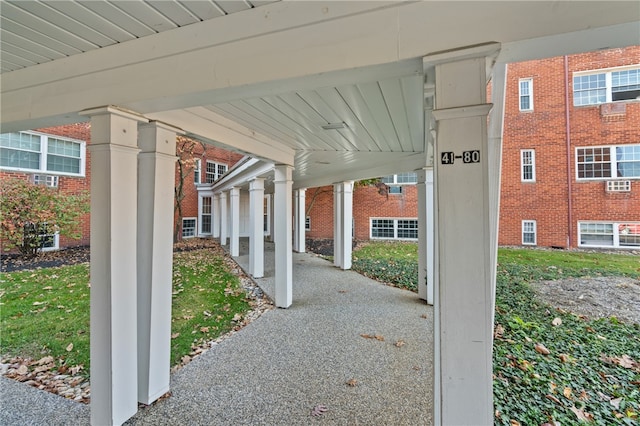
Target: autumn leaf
{"type": "Point", "coordinates": [379, 338]}
{"type": "Point", "coordinates": [352, 382]}
{"type": "Point", "coordinates": [556, 321]}
{"type": "Point", "coordinates": [582, 415]}
{"type": "Point", "coordinates": [204, 329]}
{"type": "Point", "coordinates": [174, 335]}
{"type": "Point", "coordinates": [400, 343]}
{"type": "Point", "coordinates": [69, 347]}
{"type": "Point", "coordinates": [318, 410]}
{"type": "Point", "coordinates": [541, 349]}
{"type": "Point", "coordinates": [567, 392]}
{"type": "Point", "coordinates": [514, 422]}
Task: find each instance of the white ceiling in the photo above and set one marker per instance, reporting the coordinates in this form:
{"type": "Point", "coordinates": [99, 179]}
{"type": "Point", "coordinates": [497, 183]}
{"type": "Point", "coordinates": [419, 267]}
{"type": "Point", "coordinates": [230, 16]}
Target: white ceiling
{"type": "Point", "coordinates": [264, 77]}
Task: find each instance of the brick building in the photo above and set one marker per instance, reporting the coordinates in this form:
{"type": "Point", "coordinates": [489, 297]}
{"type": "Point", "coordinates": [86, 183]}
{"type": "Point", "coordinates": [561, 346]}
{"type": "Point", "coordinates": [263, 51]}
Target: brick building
{"type": "Point", "coordinates": [571, 151]}
{"type": "Point", "coordinates": [570, 164]}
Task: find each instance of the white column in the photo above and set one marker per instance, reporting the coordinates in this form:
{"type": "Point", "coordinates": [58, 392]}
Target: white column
{"type": "Point", "coordinates": [425, 234]}
{"type": "Point", "coordinates": [282, 222]}
{"type": "Point", "coordinates": [215, 213]}
{"type": "Point", "coordinates": [338, 232]}
{"type": "Point", "coordinates": [299, 214]}
{"type": "Point", "coordinates": [345, 219]}
{"type": "Point", "coordinates": [463, 296]}
{"type": "Point", "coordinates": [256, 227]}
{"type": "Point", "coordinates": [156, 176]}
{"type": "Point", "coordinates": [224, 228]}
{"type": "Point", "coordinates": [234, 217]}
{"type": "Point", "coordinates": [114, 359]}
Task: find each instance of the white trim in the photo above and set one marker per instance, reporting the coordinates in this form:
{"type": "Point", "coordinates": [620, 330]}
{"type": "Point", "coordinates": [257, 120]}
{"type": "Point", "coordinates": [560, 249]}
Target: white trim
{"type": "Point", "coordinates": [529, 82]}
{"type": "Point", "coordinates": [613, 161]}
{"type": "Point", "coordinates": [44, 144]}
{"type": "Point", "coordinates": [197, 171]}
{"type": "Point", "coordinates": [534, 232]}
{"type": "Point", "coordinates": [56, 243]}
{"type": "Point", "coordinates": [395, 228]}
{"type": "Point", "coordinates": [533, 165]}
{"type": "Point", "coordinates": [608, 83]}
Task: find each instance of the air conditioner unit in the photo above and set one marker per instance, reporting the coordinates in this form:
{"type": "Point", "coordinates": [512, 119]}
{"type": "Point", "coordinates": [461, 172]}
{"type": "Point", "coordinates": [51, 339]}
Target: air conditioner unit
{"type": "Point", "coordinates": [47, 180]}
{"type": "Point", "coordinates": [618, 186]}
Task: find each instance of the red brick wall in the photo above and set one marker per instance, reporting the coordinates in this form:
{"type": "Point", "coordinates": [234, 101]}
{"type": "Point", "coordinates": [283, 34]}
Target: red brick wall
{"type": "Point", "coordinates": [545, 130]}
{"type": "Point", "coordinates": [367, 203]}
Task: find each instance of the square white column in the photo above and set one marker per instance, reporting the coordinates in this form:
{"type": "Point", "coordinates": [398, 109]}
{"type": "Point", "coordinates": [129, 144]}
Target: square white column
{"type": "Point", "coordinates": [234, 217]}
{"type": "Point", "coordinates": [345, 220]}
{"type": "Point", "coordinates": [215, 213]}
{"type": "Point", "coordinates": [282, 231]}
{"type": "Point", "coordinates": [224, 228]}
{"type": "Point", "coordinates": [256, 227]}
{"type": "Point", "coordinates": [464, 292]}
{"type": "Point", "coordinates": [426, 230]}
{"type": "Point", "coordinates": [113, 299]}
{"type": "Point", "coordinates": [299, 214]}
{"type": "Point", "coordinates": [338, 232]}
{"type": "Point", "coordinates": [156, 169]}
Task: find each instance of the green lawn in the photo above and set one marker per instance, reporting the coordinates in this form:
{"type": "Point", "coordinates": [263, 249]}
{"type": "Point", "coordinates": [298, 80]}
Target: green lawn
{"type": "Point", "coordinates": [46, 312]}
{"type": "Point", "coordinates": [590, 372]}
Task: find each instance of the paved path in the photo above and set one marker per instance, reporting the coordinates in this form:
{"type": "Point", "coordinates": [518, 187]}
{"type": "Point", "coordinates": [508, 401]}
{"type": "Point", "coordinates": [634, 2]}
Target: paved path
{"type": "Point", "coordinates": [288, 361]}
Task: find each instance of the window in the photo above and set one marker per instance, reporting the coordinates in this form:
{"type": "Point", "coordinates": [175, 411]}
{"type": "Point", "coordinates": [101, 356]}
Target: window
{"type": "Point", "coordinates": [608, 162]}
{"type": "Point", "coordinates": [41, 236]}
{"type": "Point", "coordinates": [307, 224]}
{"type": "Point", "coordinates": [197, 168]}
{"type": "Point", "coordinates": [393, 181]}
{"type": "Point", "coordinates": [188, 227]}
{"type": "Point", "coordinates": [528, 165]}
{"type": "Point", "coordinates": [215, 171]}
{"type": "Point", "coordinates": [602, 86]}
{"type": "Point", "coordinates": [529, 232]}
{"type": "Point", "coordinates": [396, 229]}
{"type": "Point", "coordinates": [26, 151]}
{"type": "Point", "coordinates": [617, 235]}
{"type": "Point", "coordinates": [205, 216]}
{"type": "Point", "coordinates": [526, 94]}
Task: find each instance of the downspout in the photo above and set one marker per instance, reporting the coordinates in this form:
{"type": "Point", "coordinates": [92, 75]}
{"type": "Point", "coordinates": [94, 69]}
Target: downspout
{"type": "Point", "coordinates": [568, 144]}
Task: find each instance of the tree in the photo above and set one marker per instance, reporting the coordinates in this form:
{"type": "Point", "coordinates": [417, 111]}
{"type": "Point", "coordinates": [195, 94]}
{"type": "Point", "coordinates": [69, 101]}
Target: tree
{"type": "Point", "coordinates": [31, 212]}
{"type": "Point", "coordinates": [186, 164]}
{"type": "Point", "coordinates": [383, 189]}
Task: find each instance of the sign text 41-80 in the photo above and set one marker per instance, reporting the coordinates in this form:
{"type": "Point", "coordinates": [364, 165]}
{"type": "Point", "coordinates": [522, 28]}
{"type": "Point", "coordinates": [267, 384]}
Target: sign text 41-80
{"type": "Point", "coordinates": [466, 157]}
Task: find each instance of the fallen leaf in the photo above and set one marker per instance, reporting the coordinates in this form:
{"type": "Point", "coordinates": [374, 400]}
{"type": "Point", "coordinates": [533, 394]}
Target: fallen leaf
{"type": "Point", "coordinates": [204, 329]}
{"type": "Point", "coordinates": [379, 338]}
{"type": "Point", "coordinates": [541, 349]}
{"type": "Point", "coordinates": [22, 370]}
{"type": "Point", "coordinates": [514, 422]}
{"type": "Point", "coordinates": [367, 336]}
{"type": "Point", "coordinates": [423, 316]}
{"type": "Point", "coordinates": [38, 303]}
{"type": "Point", "coordinates": [400, 343]}
{"type": "Point", "coordinates": [174, 335]}
{"type": "Point", "coordinates": [352, 382]}
{"type": "Point", "coordinates": [318, 410]}
{"type": "Point", "coordinates": [237, 317]}
{"type": "Point", "coordinates": [69, 347]}
{"type": "Point", "coordinates": [582, 415]}
{"type": "Point", "coordinates": [45, 360]}
{"type": "Point", "coordinates": [556, 321]}
{"type": "Point", "coordinates": [553, 398]}
{"type": "Point", "coordinates": [567, 392]}
{"type": "Point", "coordinates": [498, 331]}
{"type": "Point", "coordinates": [616, 402]}
{"type": "Point", "coordinates": [564, 357]}
{"type": "Point", "coordinates": [342, 291]}
{"type": "Point", "coordinates": [583, 396]}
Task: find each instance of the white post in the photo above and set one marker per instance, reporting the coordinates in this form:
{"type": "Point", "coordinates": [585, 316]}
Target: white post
{"type": "Point", "coordinates": [338, 232]}
{"type": "Point", "coordinates": [282, 222]}
{"type": "Point", "coordinates": [156, 175]}
{"type": "Point", "coordinates": [346, 223]}
{"type": "Point", "coordinates": [465, 261]}
{"type": "Point", "coordinates": [223, 219]}
{"type": "Point", "coordinates": [256, 227]}
{"type": "Point", "coordinates": [426, 233]}
{"type": "Point", "coordinates": [234, 242]}
{"type": "Point", "coordinates": [114, 359]}
{"type": "Point", "coordinates": [299, 213]}
{"type": "Point", "coordinates": [215, 213]}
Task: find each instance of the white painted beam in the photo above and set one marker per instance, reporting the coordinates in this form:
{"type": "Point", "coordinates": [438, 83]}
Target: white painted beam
{"type": "Point", "coordinates": [338, 233]}
{"type": "Point", "coordinates": [282, 223]}
{"type": "Point", "coordinates": [216, 213]}
{"type": "Point", "coordinates": [224, 212]}
{"type": "Point", "coordinates": [299, 214]}
{"type": "Point", "coordinates": [234, 217]}
{"type": "Point", "coordinates": [156, 169]}
{"type": "Point", "coordinates": [256, 227]}
{"type": "Point", "coordinates": [114, 359]}
{"type": "Point", "coordinates": [464, 290]}
{"type": "Point", "coordinates": [426, 246]}
{"type": "Point", "coordinates": [343, 224]}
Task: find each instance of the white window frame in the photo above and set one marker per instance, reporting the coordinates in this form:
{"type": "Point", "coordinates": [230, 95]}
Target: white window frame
{"type": "Point", "coordinates": [528, 82]}
{"type": "Point", "coordinates": [529, 227]}
{"type": "Point", "coordinates": [608, 84]}
{"type": "Point", "coordinates": [395, 228]}
{"type": "Point", "coordinates": [617, 229]}
{"type": "Point", "coordinates": [43, 152]}
{"type": "Point", "coordinates": [197, 171]}
{"type": "Point", "coordinates": [217, 172]}
{"type": "Point", "coordinates": [307, 224]}
{"type": "Point", "coordinates": [613, 161]}
{"type": "Point", "coordinates": [202, 214]}
{"type": "Point", "coordinates": [531, 153]}
{"type": "Point", "coordinates": [395, 182]}
{"type": "Point", "coordinates": [195, 227]}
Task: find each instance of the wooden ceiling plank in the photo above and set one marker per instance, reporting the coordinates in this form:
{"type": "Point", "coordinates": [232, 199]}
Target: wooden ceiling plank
{"type": "Point", "coordinates": [372, 94]}
{"type": "Point", "coordinates": [392, 92]}
{"type": "Point", "coordinates": [29, 46]}
{"type": "Point", "coordinates": [203, 9]}
{"type": "Point", "coordinates": [413, 94]}
{"type": "Point", "coordinates": [129, 16]}
{"type": "Point", "coordinates": [62, 49]}
{"type": "Point", "coordinates": [174, 11]}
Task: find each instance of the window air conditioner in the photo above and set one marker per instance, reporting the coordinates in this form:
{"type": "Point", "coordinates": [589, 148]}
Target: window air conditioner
{"type": "Point", "coordinates": [618, 186]}
{"type": "Point", "coordinates": [47, 180]}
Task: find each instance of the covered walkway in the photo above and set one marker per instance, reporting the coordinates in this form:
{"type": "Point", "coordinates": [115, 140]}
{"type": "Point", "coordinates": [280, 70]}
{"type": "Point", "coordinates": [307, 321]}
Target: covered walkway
{"type": "Point", "coordinates": [281, 366]}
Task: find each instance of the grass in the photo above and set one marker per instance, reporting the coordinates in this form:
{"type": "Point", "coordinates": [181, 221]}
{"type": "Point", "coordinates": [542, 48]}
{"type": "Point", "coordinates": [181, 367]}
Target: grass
{"type": "Point", "coordinates": [46, 312]}
{"type": "Point", "coordinates": [587, 375]}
